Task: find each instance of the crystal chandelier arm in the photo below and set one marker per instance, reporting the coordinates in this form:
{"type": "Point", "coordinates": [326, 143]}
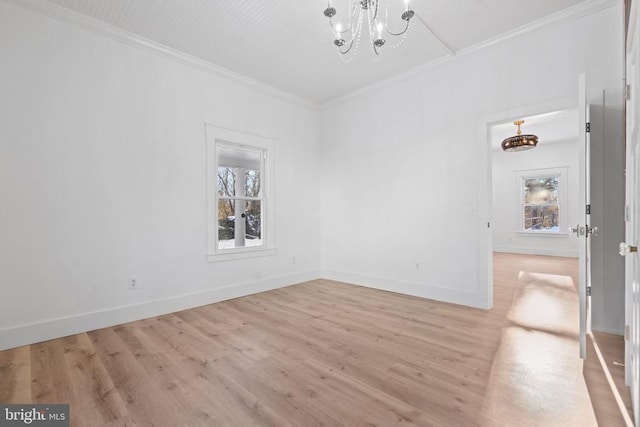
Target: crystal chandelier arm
{"type": "Point", "coordinates": [333, 27]}
{"type": "Point", "coordinates": [351, 15]}
{"type": "Point", "coordinates": [344, 52]}
{"type": "Point", "coordinates": [399, 41]}
{"type": "Point", "coordinates": [406, 16]}
{"type": "Point", "coordinates": [354, 8]}
{"type": "Point", "coordinates": [355, 31]}
{"type": "Point", "coordinates": [401, 32]}
{"type": "Point", "coordinates": [370, 23]}
{"type": "Point", "coordinates": [375, 14]}
{"type": "Point", "coordinates": [350, 20]}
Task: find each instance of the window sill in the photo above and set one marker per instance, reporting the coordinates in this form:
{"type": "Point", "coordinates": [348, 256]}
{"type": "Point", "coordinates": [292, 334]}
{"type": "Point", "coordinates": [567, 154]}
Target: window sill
{"type": "Point", "coordinates": [233, 254]}
{"type": "Point", "coordinates": [561, 234]}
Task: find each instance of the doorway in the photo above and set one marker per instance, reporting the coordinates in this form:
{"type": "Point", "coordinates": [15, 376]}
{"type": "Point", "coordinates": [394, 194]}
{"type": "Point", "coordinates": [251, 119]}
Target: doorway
{"type": "Point", "coordinates": [536, 195]}
{"type": "Point", "coordinates": [535, 192]}
{"type": "Point", "coordinates": [534, 201]}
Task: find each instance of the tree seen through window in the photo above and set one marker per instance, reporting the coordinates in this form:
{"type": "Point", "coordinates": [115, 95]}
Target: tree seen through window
{"type": "Point", "coordinates": [541, 208]}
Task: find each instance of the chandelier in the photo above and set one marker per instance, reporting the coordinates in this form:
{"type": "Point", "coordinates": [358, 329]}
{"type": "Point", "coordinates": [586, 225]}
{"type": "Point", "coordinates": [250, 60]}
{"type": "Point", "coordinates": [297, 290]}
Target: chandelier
{"type": "Point", "coordinates": [519, 142]}
{"type": "Point", "coordinates": [375, 15]}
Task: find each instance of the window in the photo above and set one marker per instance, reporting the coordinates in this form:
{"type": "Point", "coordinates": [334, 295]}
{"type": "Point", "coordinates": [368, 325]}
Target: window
{"type": "Point", "coordinates": [240, 207]}
{"type": "Point", "coordinates": [240, 201]}
{"type": "Point", "coordinates": [542, 201]}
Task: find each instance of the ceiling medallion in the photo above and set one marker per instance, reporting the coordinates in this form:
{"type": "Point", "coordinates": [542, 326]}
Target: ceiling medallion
{"type": "Point", "coordinates": [348, 31]}
{"type": "Point", "coordinates": [519, 142]}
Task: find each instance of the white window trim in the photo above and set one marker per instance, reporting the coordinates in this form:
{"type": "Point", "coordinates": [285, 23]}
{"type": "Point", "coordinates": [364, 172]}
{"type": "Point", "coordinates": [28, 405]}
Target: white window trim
{"type": "Point", "coordinates": [563, 201]}
{"type": "Point", "coordinates": [231, 138]}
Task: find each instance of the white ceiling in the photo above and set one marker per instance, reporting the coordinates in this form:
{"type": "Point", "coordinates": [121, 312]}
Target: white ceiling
{"type": "Point", "coordinates": [287, 44]}
{"type": "Point", "coordinates": [550, 127]}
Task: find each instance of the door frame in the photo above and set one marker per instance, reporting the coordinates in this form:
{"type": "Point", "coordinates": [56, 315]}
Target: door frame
{"type": "Point", "coordinates": [584, 194]}
{"type": "Point", "coordinates": [485, 189]}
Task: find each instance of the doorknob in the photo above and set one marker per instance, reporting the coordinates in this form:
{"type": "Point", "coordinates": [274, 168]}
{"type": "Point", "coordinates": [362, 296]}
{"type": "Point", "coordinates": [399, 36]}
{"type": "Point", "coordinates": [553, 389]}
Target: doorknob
{"type": "Point", "coordinates": [579, 231]}
{"type": "Point", "coordinates": [627, 249]}
{"type": "Point", "coordinates": [584, 231]}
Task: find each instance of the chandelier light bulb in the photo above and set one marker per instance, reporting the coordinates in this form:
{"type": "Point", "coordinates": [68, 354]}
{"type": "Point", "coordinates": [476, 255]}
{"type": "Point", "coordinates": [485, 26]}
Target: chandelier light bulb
{"type": "Point", "coordinates": [339, 41]}
{"type": "Point", "coordinates": [406, 5]}
{"type": "Point", "coordinates": [379, 27]}
{"type": "Point", "coordinates": [338, 31]}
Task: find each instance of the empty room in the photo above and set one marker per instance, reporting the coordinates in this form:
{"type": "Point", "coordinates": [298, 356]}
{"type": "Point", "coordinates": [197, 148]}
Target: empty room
{"type": "Point", "coordinates": [326, 213]}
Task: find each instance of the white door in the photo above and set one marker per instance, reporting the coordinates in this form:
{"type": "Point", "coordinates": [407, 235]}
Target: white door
{"type": "Point", "coordinates": [632, 214]}
{"type": "Point", "coordinates": [629, 249]}
{"type": "Point", "coordinates": [584, 231]}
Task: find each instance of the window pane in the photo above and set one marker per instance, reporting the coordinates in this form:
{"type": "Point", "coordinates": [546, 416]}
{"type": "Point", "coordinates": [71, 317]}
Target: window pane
{"type": "Point", "coordinates": [253, 221]}
{"type": "Point", "coordinates": [245, 232]}
{"type": "Point", "coordinates": [541, 190]}
{"type": "Point", "coordinates": [226, 232]}
{"type": "Point", "coordinates": [252, 183]}
{"type": "Point", "coordinates": [239, 172]}
{"type": "Point", "coordinates": [543, 218]}
{"type": "Point", "coordinates": [226, 182]}
{"type": "Point", "coordinates": [226, 208]}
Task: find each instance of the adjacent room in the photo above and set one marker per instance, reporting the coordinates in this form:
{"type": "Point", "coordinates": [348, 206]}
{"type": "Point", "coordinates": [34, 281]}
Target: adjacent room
{"type": "Point", "coordinates": [338, 213]}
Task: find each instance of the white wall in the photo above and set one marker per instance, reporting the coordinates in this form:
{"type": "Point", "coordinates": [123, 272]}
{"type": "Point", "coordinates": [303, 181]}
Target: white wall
{"type": "Point", "coordinates": [406, 163]}
{"type": "Point", "coordinates": [103, 176]}
{"type": "Point", "coordinates": [506, 207]}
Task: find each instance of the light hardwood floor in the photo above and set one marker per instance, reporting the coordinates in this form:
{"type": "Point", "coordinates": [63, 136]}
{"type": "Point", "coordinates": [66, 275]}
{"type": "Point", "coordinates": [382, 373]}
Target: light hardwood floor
{"type": "Point", "coordinates": [327, 353]}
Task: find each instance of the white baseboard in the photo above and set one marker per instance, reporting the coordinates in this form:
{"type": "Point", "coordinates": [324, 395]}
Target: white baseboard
{"type": "Point", "coordinates": [569, 253]}
{"type": "Point", "coordinates": [608, 330]}
{"type": "Point", "coordinates": [470, 299]}
{"type": "Point", "coordinates": [16, 336]}
{"type": "Point", "coordinates": [599, 325]}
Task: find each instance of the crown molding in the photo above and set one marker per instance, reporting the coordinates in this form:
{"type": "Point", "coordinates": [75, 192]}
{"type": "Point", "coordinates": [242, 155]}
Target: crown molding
{"type": "Point", "coordinates": [118, 34]}
{"type": "Point", "coordinates": [562, 17]}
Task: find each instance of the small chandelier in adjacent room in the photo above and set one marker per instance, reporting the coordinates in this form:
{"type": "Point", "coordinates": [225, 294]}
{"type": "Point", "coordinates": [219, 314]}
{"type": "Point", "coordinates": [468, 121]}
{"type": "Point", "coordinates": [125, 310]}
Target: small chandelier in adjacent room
{"type": "Point", "coordinates": [347, 28]}
{"type": "Point", "coordinates": [519, 142]}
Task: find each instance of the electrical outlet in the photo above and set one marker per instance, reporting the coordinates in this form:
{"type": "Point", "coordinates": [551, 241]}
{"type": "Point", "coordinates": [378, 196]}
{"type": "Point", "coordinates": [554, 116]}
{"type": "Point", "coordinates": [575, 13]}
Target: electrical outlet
{"type": "Point", "coordinates": [417, 266]}
{"type": "Point", "coordinates": [133, 283]}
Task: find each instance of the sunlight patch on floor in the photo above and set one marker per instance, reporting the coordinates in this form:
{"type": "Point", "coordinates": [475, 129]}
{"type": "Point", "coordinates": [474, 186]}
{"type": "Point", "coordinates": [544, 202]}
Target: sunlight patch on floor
{"type": "Point", "coordinates": [536, 373]}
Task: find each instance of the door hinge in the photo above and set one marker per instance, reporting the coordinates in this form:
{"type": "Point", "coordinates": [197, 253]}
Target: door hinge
{"type": "Point", "coordinates": [588, 127]}
{"type": "Point", "coordinates": [488, 225]}
{"type": "Point", "coordinates": [627, 92]}
{"type": "Point", "coordinates": [626, 332]}
{"type": "Point", "coordinates": [588, 291]}
{"type": "Point", "coordinates": [588, 209]}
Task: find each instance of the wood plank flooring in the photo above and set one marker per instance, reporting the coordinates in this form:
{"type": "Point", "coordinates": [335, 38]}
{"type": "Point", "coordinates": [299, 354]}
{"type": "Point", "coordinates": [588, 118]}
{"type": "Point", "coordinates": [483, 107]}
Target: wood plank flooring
{"type": "Point", "coordinates": [320, 353]}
